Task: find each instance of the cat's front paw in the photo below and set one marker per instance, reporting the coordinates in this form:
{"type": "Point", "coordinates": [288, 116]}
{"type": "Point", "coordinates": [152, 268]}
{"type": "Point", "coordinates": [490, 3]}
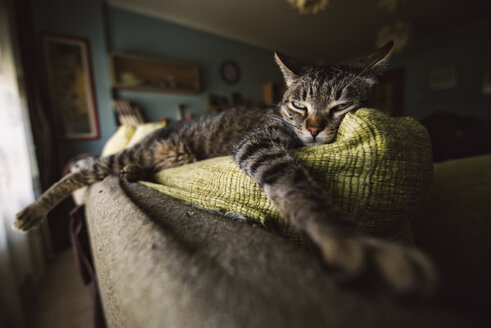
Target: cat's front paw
{"type": "Point", "coordinates": [398, 268]}
{"type": "Point", "coordinates": [28, 218]}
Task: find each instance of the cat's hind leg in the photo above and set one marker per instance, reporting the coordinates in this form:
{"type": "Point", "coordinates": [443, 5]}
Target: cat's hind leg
{"type": "Point", "coordinates": [152, 154]}
{"type": "Point", "coordinates": [35, 213]}
{"type": "Point", "coordinates": [89, 172]}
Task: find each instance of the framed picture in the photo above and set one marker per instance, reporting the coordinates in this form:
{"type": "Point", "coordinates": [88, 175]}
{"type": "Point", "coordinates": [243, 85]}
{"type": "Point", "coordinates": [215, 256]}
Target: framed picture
{"type": "Point", "coordinates": [443, 78]}
{"type": "Point", "coordinates": [70, 86]}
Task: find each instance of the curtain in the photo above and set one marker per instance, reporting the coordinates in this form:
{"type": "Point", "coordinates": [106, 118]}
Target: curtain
{"type": "Point", "coordinates": [22, 255]}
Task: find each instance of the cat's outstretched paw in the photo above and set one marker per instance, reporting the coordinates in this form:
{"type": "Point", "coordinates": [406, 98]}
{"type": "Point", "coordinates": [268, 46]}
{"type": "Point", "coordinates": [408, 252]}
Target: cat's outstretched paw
{"type": "Point", "coordinates": [28, 218]}
{"type": "Point", "coordinates": [400, 269]}
{"type": "Point", "coordinates": [132, 173]}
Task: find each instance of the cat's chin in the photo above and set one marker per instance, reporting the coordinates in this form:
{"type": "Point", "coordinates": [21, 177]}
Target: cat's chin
{"type": "Point", "coordinates": [318, 141]}
{"type": "Point", "coordinates": [314, 143]}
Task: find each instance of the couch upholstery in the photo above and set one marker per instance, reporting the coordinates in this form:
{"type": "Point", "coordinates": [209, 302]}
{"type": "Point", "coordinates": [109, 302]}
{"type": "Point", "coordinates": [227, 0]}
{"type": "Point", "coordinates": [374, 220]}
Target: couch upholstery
{"type": "Point", "coordinates": [453, 225]}
{"type": "Point", "coordinates": [163, 263]}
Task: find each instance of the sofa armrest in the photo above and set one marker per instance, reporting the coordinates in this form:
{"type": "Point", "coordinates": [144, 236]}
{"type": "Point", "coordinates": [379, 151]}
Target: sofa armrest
{"type": "Point", "coordinates": [163, 263]}
{"type": "Point", "coordinates": [454, 226]}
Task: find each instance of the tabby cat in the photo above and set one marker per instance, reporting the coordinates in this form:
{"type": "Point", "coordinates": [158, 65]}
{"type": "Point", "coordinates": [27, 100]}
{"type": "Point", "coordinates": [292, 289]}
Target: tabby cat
{"type": "Point", "coordinates": [261, 142]}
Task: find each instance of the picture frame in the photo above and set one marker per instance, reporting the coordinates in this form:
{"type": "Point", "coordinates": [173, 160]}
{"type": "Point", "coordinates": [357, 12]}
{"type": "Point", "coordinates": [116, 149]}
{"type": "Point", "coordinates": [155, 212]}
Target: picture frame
{"type": "Point", "coordinates": [443, 78]}
{"type": "Point", "coordinates": [70, 86]}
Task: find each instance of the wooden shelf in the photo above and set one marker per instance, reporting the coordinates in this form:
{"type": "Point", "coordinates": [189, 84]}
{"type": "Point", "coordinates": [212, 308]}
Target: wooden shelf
{"type": "Point", "coordinates": [135, 73]}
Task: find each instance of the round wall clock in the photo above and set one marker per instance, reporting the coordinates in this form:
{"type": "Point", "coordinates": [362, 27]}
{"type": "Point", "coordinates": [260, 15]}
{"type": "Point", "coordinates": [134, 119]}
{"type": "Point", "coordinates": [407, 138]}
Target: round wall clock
{"type": "Point", "coordinates": [230, 71]}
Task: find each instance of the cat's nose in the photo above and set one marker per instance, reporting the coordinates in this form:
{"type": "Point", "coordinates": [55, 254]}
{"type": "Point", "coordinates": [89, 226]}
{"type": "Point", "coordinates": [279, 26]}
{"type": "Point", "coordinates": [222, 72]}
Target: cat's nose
{"type": "Point", "coordinates": [314, 130]}
{"type": "Point", "coordinates": [315, 125]}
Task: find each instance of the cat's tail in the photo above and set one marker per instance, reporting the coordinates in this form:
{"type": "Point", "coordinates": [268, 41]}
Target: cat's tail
{"type": "Point", "coordinates": [97, 170]}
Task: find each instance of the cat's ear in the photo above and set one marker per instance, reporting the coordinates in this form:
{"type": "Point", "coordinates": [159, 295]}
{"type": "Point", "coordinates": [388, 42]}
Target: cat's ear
{"type": "Point", "coordinates": [289, 67]}
{"type": "Point", "coordinates": [375, 63]}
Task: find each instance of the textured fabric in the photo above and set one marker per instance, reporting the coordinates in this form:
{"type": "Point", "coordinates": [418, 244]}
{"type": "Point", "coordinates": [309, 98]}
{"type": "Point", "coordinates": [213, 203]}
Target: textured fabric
{"type": "Point", "coordinates": [163, 263]}
{"type": "Point", "coordinates": [453, 225]}
{"type": "Point", "coordinates": [378, 169]}
{"type": "Point", "coordinates": [119, 140]}
{"type": "Point", "coordinates": [127, 136]}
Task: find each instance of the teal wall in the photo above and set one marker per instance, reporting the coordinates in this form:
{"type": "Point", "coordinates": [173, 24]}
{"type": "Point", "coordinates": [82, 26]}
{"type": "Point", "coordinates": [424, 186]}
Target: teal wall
{"type": "Point", "coordinates": [142, 35]}
{"type": "Point", "coordinates": [469, 50]}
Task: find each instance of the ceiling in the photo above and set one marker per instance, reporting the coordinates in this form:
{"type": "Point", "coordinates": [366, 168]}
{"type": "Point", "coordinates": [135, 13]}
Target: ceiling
{"type": "Point", "coordinates": [345, 29]}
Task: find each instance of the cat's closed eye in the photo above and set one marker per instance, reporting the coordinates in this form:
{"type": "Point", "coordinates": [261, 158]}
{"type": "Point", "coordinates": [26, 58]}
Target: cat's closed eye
{"type": "Point", "coordinates": [341, 107]}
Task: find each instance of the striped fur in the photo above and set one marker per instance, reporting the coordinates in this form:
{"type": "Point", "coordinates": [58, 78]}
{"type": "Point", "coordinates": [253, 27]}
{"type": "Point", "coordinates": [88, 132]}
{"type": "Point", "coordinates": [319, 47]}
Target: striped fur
{"type": "Point", "coordinates": [261, 142]}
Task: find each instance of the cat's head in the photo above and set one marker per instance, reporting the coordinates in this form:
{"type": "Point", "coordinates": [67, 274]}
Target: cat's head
{"type": "Point", "coordinates": [318, 97]}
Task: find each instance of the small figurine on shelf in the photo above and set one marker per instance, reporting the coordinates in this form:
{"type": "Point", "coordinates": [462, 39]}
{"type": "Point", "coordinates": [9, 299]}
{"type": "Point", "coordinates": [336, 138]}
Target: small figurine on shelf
{"type": "Point", "coordinates": [171, 82]}
{"type": "Point", "coordinates": [130, 79]}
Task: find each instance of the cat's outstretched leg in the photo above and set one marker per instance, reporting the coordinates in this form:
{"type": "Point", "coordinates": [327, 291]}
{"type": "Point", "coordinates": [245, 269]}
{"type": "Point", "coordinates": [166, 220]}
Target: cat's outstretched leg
{"type": "Point", "coordinates": [88, 173]}
{"type": "Point", "coordinates": [264, 155]}
{"type": "Point", "coordinates": [155, 152]}
{"type": "Point", "coordinates": [34, 214]}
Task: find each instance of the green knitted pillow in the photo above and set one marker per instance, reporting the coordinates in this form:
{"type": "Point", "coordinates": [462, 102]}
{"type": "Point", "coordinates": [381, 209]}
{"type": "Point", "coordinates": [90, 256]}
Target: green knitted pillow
{"type": "Point", "coordinates": [377, 169]}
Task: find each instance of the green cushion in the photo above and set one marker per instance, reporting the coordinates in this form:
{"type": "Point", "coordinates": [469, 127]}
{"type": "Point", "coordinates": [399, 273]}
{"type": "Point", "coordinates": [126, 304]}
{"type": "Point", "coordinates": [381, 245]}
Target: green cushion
{"type": "Point", "coordinates": [378, 169]}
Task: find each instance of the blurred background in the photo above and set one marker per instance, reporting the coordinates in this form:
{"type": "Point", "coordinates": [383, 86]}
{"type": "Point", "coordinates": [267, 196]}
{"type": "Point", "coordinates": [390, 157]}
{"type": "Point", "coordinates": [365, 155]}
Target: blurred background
{"type": "Point", "coordinates": [72, 71]}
